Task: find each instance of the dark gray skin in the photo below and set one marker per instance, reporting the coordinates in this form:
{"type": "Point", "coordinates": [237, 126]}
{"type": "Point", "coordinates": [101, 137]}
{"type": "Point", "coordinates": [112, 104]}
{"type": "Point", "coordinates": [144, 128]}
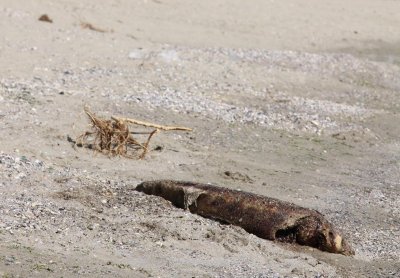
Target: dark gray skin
{"type": "Point", "coordinates": [265, 217]}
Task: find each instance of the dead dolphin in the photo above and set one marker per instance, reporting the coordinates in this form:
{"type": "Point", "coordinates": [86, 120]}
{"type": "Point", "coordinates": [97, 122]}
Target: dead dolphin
{"type": "Point", "coordinates": [265, 217]}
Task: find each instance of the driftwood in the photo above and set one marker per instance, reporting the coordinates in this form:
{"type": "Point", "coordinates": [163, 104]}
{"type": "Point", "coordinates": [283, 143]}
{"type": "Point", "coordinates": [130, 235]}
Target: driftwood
{"type": "Point", "coordinates": [113, 137]}
{"type": "Point", "coordinates": [265, 217]}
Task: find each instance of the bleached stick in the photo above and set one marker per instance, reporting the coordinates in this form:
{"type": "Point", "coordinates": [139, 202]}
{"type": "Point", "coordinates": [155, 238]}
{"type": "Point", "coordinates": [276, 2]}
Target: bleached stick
{"type": "Point", "coordinates": [147, 124]}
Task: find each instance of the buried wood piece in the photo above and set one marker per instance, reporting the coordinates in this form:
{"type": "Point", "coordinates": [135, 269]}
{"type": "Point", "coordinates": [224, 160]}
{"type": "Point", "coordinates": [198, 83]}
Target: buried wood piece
{"type": "Point", "coordinates": [265, 217]}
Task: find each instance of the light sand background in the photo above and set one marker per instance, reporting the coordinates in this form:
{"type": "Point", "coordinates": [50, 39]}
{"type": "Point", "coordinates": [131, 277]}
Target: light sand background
{"type": "Point", "coordinates": [298, 100]}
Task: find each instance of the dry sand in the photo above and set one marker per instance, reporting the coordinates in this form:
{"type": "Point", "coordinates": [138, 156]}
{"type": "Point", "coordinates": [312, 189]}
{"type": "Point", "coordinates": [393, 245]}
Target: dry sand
{"type": "Point", "coordinates": [298, 100]}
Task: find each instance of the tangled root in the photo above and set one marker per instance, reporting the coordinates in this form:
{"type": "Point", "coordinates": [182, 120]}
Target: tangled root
{"type": "Point", "coordinates": [113, 137]}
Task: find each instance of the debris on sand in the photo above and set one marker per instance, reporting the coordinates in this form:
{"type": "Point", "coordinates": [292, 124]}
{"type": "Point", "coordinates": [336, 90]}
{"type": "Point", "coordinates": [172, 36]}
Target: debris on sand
{"type": "Point", "coordinates": [237, 176]}
{"type": "Point", "coordinates": [45, 18]}
{"type": "Point", "coordinates": [113, 137]}
{"type": "Point", "coordinates": [86, 25]}
{"type": "Point", "coordinates": [265, 217]}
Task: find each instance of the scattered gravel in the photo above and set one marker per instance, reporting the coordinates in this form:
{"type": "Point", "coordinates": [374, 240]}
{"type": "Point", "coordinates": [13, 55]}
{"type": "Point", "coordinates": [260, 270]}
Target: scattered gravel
{"type": "Point", "coordinates": [302, 112]}
{"type": "Point", "coordinates": [64, 207]}
{"type": "Point", "coordinates": [178, 89]}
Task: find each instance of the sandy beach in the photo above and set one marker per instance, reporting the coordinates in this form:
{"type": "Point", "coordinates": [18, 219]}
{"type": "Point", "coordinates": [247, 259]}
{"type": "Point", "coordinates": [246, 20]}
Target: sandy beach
{"type": "Point", "coordinates": [295, 100]}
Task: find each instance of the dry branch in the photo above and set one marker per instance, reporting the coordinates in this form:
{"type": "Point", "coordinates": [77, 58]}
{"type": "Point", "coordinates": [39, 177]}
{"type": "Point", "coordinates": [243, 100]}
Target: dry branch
{"type": "Point", "coordinates": [113, 137]}
{"type": "Point", "coordinates": [147, 124]}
